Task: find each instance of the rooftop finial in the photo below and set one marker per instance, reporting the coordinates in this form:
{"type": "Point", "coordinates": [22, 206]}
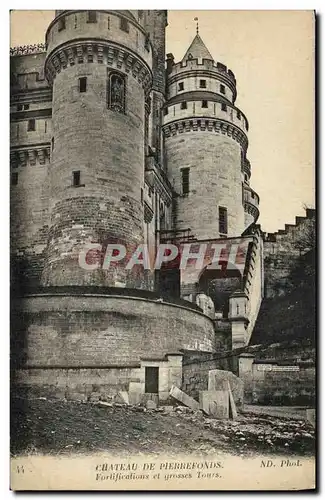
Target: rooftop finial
{"type": "Point", "coordinates": [197, 25]}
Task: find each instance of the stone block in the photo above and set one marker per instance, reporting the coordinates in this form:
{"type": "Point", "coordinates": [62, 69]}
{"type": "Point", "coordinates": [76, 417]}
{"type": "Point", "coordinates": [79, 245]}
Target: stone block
{"type": "Point", "coordinates": [215, 403]}
{"type": "Point", "coordinates": [166, 409]}
{"type": "Point", "coordinates": [55, 393]}
{"type": "Point", "coordinates": [94, 397]}
{"type": "Point", "coordinates": [218, 380]}
{"type": "Point", "coordinates": [76, 396]}
{"type": "Point", "coordinates": [136, 390]}
{"type": "Point", "coordinates": [106, 397]}
{"type": "Point", "coordinates": [122, 397]}
{"type": "Point", "coordinates": [104, 403]}
{"type": "Point", "coordinates": [151, 404]}
{"type": "Point", "coordinates": [233, 410]}
{"type": "Point", "coordinates": [150, 396]}
{"type": "Point", "coordinates": [186, 400]}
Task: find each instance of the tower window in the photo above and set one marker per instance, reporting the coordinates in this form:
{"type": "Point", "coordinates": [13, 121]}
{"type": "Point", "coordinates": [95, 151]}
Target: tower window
{"type": "Point", "coordinates": [223, 220]}
{"type": "Point", "coordinates": [185, 181]}
{"type": "Point", "coordinates": [83, 84]}
{"type": "Point", "coordinates": [76, 178]}
{"type": "Point", "coordinates": [181, 86]}
{"type": "Point", "coordinates": [14, 178]}
{"type": "Point", "coordinates": [124, 25]}
{"type": "Point", "coordinates": [108, 22]}
{"type": "Point", "coordinates": [184, 105]}
{"type": "Point", "coordinates": [222, 89]}
{"type": "Point", "coordinates": [204, 104]}
{"type": "Point", "coordinates": [61, 24]}
{"type": "Point", "coordinates": [203, 84]}
{"type": "Point", "coordinates": [165, 111]}
{"type": "Point", "coordinates": [52, 141]}
{"type": "Point", "coordinates": [31, 125]}
{"type": "Point", "coordinates": [223, 106]}
{"type": "Point", "coordinates": [91, 16]}
{"type": "Point", "coordinates": [116, 92]}
{"type": "Point", "coordinates": [238, 114]}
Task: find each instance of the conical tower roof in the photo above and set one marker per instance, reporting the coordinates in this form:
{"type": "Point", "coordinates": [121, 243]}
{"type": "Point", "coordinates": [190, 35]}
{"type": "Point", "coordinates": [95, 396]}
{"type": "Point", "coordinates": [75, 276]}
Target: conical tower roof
{"type": "Point", "coordinates": [197, 50]}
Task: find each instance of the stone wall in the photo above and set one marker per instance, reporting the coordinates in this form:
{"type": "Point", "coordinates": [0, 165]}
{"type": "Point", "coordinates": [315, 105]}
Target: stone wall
{"type": "Point", "coordinates": [279, 374]}
{"type": "Point", "coordinates": [215, 177]}
{"type": "Point", "coordinates": [254, 283]}
{"type": "Point", "coordinates": [106, 206]}
{"type": "Point", "coordinates": [31, 99]}
{"type": "Point", "coordinates": [83, 383]}
{"type": "Point", "coordinates": [196, 367]}
{"type": "Point", "coordinates": [274, 384]}
{"type": "Point", "coordinates": [275, 374]}
{"type": "Point", "coordinates": [282, 250]}
{"type": "Point", "coordinates": [29, 223]}
{"type": "Point", "coordinates": [63, 382]}
{"type": "Point", "coordinates": [95, 331]}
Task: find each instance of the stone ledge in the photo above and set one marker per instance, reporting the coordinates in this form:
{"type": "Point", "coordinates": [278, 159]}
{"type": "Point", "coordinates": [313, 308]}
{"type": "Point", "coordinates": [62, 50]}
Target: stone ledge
{"type": "Point", "coordinates": [89, 291]}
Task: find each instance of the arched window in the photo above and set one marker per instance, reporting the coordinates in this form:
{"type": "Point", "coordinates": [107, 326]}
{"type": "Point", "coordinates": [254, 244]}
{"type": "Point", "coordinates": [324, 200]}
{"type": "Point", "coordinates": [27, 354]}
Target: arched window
{"type": "Point", "coordinates": [116, 92]}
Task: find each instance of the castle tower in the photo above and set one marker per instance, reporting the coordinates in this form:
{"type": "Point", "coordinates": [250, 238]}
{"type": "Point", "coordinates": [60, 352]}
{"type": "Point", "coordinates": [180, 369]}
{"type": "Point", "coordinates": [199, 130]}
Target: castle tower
{"type": "Point", "coordinates": [205, 147]}
{"type": "Point", "coordinates": [100, 66]}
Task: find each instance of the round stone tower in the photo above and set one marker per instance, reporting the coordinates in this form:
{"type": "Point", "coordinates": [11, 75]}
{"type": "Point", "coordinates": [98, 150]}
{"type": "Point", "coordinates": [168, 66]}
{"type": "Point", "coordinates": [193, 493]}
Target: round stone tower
{"type": "Point", "coordinates": [100, 66]}
{"type": "Point", "coordinates": [205, 146]}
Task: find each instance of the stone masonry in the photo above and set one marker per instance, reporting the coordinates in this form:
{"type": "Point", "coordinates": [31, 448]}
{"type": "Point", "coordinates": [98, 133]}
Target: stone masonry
{"type": "Point", "coordinates": [101, 132]}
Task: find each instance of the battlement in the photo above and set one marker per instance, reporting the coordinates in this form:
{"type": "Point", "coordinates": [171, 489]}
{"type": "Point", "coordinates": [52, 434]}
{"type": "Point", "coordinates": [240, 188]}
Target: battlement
{"type": "Point", "coordinates": [290, 229]}
{"type": "Point", "coordinates": [205, 109]}
{"type": "Point", "coordinates": [204, 64]}
{"type": "Point", "coordinates": [117, 27]}
{"type": "Point", "coordinates": [26, 50]}
{"type": "Point", "coordinates": [215, 125]}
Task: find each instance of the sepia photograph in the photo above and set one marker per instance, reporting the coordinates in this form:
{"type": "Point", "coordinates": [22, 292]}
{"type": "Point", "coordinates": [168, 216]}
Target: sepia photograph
{"type": "Point", "coordinates": [162, 250]}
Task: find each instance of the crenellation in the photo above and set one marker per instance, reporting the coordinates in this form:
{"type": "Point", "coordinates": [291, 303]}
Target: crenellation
{"type": "Point", "coordinates": [206, 64]}
{"type": "Point", "coordinates": [24, 50]}
{"type": "Point", "coordinates": [214, 125]}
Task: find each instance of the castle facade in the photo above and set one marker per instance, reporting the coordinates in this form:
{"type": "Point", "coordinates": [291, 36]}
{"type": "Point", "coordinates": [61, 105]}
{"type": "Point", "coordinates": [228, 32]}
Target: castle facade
{"type": "Point", "coordinates": [112, 141]}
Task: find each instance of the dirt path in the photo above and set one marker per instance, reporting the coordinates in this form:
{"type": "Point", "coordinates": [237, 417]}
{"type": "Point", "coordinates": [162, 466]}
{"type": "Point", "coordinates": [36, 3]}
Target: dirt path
{"type": "Point", "coordinates": [60, 427]}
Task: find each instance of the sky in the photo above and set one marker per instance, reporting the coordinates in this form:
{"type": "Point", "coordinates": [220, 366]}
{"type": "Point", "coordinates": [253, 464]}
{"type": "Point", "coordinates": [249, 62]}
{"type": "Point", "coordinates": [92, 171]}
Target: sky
{"type": "Point", "coordinates": [272, 56]}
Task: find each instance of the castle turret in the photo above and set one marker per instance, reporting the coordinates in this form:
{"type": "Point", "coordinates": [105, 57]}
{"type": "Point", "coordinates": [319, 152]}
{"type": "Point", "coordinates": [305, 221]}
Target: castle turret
{"type": "Point", "coordinates": [205, 146]}
{"type": "Point", "coordinates": [100, 66]}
